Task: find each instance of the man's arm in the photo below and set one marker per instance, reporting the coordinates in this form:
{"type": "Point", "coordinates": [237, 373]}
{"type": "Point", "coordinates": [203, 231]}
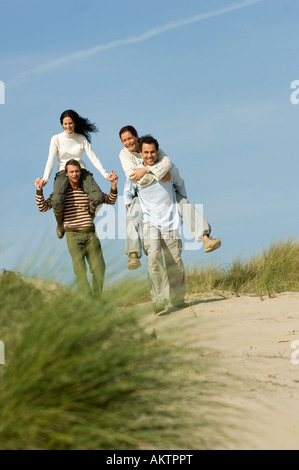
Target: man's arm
{"type": "Point", "coordinates": [42, 204]}
{"type": "Point", "coordinates": [112, 196]}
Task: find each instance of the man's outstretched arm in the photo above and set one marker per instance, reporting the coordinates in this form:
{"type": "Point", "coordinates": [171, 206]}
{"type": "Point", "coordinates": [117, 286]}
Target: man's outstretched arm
{"type": "Point", "coordinates": [42, 204]}
{"type": "Point", "coordinates": [112, 196]}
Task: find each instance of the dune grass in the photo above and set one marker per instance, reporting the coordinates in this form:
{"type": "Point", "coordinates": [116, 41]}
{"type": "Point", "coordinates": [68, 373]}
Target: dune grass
{"type": "Point", "coordinates": [274, 270]}
{"type": "Point", "coordinates": [81, 374]}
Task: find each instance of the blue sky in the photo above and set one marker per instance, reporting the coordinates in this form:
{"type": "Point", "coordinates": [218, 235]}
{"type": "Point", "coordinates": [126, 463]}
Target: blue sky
{"type": "Point", "coordinates": [211, 80]}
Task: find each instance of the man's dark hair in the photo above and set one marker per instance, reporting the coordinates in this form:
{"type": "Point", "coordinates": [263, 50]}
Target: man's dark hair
{"type": "Point", "coordinates": [148, 139]}
{"type": "Point", "coordinates": [72, 162]}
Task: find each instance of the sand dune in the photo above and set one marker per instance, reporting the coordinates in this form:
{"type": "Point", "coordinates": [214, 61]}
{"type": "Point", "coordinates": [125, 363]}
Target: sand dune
{"type": "Point", "coordinates": [250, 341]}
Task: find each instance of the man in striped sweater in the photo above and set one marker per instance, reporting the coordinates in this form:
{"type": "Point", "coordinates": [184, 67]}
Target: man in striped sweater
{"type": "Point", "coordinates": [82, 241]}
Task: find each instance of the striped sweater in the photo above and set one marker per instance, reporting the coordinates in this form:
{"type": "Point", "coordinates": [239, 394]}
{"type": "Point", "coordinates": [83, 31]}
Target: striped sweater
{"type": "Point", "coordinates": [76, 209]}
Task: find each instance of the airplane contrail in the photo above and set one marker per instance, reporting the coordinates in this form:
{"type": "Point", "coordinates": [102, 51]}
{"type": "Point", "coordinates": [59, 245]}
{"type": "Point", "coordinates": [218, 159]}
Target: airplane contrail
{"type": "Point", "coordinates": [41, 69]}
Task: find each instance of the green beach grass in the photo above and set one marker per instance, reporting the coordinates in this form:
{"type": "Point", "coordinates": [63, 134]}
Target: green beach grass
{"type": "Point", "coordinates": [81, 374]}
{"type": "Point", "coordinates": [274, 270]}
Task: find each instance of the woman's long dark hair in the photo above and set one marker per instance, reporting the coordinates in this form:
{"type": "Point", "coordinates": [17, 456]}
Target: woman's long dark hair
{"type": "Point", "coordinates": [82, 125]}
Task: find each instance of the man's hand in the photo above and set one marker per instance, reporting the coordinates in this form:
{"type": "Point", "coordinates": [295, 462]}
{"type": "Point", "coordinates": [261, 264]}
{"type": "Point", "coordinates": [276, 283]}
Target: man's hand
{"type": "Point", "coordinates": [113, 179]}
{"type": "Point", "coordinates": [138, 173]}
{"type": "Point", "coordinates": [39, 184]}
{"type": "Point", "coordinates": [111, 176]}
{"type": "Point", "coordinates": [167, 177]}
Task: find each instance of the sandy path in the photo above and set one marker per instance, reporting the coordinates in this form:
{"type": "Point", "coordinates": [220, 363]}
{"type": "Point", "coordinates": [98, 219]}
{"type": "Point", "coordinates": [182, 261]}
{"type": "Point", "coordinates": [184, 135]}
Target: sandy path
{"type": "Point", "coordinates": [250, 340]}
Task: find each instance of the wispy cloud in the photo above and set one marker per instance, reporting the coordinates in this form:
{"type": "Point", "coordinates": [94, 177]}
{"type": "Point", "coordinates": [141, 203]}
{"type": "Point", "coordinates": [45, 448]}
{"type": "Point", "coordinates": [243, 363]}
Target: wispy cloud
{"type": "Point", "coordinates": [81, 54]}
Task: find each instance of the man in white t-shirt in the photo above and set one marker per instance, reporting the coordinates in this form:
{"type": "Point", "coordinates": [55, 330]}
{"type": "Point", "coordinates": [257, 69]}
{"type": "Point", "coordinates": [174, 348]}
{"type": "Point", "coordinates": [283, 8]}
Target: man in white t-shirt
{"type": "Point", "coordinates": [161, 224]}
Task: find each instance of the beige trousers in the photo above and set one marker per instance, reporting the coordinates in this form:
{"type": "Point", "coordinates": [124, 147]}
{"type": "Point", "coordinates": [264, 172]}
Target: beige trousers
{"type": "Point", "coordinates": [167, 283]}
{"type": "Point", "coordinates": [194, 220]}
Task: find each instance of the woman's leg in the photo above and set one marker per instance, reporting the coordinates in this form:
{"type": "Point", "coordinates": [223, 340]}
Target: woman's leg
{"type": "Point", "coordinates": [197, 224]}
{"type": "Point", "coordinates": [61, 185]}
{"type": "Point", "coordinates": [91, 188]}
{"type": "Point", "coordinates": [193, 219]}
{"type": "Point", "coordinates": [133, 242]}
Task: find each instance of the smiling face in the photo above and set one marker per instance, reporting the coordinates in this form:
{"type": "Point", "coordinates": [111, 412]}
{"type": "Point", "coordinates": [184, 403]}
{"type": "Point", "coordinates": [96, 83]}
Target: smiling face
{"type": "Point", "coordinates": [129, 141]}
{"type": "Point", "coordinates": [73, 172]}
{"type": "Point", "coordinates": [68, 125]}
{"type": "Point", "coordinates": [149, 154]}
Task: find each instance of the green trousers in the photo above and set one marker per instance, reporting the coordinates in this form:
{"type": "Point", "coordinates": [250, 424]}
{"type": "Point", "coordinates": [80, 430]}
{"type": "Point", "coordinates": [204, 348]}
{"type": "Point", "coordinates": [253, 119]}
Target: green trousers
{"type": "Point", "coordinates": [85, 245]}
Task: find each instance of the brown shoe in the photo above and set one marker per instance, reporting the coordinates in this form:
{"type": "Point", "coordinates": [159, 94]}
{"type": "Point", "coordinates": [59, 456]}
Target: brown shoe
{"type": "Point", "coordinates": [211, 244]}
{"type": "Point", "coordinates": [60, 231]}
{"type": "Point", "coordinates": [60, 227]}
{"type": "Point", "coordinates": [133, 262]}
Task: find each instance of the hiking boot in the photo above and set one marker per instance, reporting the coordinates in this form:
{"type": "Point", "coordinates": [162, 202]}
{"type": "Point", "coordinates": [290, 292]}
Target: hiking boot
{"type": "Point", "coordinates": [60, 227]}
{"type": "Point", "coordinates": [211, 244]}
{"type": "Point", "coordinates": [133, 262]}
{"type": "Point", "coordinates": [60, 231]}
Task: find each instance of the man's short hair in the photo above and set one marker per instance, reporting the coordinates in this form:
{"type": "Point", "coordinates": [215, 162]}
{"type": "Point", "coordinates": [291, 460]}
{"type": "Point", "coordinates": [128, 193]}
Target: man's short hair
{"type": "Point", "coordinates": [148, 139]}
{"type": "Point", "coordinates": [72, 162]}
